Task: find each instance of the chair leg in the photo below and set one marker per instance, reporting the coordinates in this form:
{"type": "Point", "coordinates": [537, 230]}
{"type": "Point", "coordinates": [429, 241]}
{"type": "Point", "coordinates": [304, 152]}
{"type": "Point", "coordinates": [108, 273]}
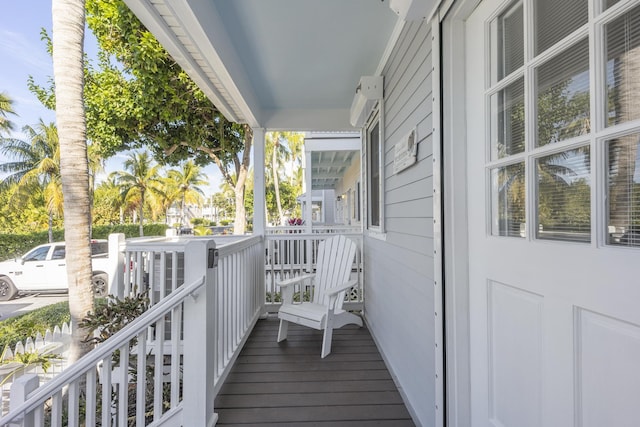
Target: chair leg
{"type": "Point", "coordinates": [328, 335]}
{"type": "Point", "coordinates": [283, 330]}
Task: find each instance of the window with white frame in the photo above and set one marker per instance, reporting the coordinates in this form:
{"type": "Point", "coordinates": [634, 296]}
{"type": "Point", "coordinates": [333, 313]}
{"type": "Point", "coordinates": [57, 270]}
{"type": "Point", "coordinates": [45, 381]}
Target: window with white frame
{"type": "Point", "coordinates": [564, 121]}
{"type": "Point", "coordinates": [375, 178]}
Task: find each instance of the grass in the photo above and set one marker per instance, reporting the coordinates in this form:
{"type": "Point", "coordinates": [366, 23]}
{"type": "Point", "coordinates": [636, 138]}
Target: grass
{"type": "Point", "coordinates": [26, 325]}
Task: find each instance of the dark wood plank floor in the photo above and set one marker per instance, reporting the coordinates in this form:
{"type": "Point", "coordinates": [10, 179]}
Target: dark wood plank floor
{"type": "Point", "coordinates": [275, 384]}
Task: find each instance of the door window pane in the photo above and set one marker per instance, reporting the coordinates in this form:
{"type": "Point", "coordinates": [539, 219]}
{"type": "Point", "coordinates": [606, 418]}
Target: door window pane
{"type": "Point", "coordinates": [508, 200]}
{"type": "Point", "coordinates": [508, 33]}
{"type": "Point", "coordinates": [609, 3]}
{"type": "Point", "coordinates": [624, 190]}
{"type": "Point", "coordinates": [564, 196]}
{"type": "Point", "coordinates": [507, 120]}
{"type": "Point", "coordinates": [623, 67]}
{"type": "Point", "coordinates": [556, 19]}
{"type": "Point", "coordinates": [562, 93]}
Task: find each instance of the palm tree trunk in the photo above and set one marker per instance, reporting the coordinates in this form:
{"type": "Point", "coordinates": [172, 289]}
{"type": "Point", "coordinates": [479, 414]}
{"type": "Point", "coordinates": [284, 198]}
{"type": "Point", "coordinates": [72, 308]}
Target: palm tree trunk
{"type": "Point", "coordinates": [182, 222]}
{"type": "Point", "coordinates": [50, 224]}
{"type": "Point", "coordinates": [141, 213]}
{"type": "Point", "coordinates": [276, 184]}
{"type": "Point", "coordinates": [68, 37]}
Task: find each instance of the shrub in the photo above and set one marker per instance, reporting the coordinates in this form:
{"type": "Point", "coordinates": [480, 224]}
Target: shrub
{"type": "Point", "coordinates": [129, 230]}
{"type": "Point", "coordinates": [13, 245]}
{"type": "Point", "coordinates": [27, 325]}
{"type": "Point", "coordinates": [113, 315]}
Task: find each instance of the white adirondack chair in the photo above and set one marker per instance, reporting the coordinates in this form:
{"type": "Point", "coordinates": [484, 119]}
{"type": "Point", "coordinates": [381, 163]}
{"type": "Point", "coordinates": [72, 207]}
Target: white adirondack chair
{"type": "Point", "coordinates": [330, 282]}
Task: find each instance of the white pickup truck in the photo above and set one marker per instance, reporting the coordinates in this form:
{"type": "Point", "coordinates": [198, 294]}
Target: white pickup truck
{"type": "Point", "coordinates": [44, 269]}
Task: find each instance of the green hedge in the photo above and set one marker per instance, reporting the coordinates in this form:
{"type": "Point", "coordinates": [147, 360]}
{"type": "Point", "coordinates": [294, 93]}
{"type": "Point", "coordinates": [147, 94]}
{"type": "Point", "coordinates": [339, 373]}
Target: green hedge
{"type": "Point", "coordinates": [13, 245]}
{"type": "Point", "coordinates": [21, 327]}
{"type": "Point", "coordinates": [129, 230]}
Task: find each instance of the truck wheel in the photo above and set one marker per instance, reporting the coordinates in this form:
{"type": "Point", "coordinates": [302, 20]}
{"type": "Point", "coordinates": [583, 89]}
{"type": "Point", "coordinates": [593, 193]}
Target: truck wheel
{"type": "Point", "coordinates": [100, 285]}
{"type": "Point", "coordinates": [7, 289]}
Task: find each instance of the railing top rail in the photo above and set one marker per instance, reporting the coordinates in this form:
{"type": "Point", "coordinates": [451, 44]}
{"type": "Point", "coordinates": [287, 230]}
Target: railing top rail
{"type": "Point", "coordinates": [235, 246]}
{"type": "Point", "coordinates": [308, 236]}
{"type": "Point", "coordinates": [110, 345]}
{"type": "Point", "coordinates": [176, 243]}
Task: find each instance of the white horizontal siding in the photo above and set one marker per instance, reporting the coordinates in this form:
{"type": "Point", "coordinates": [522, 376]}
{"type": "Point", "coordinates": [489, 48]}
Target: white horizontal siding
{"type": "Point", "coordinates": [399, 270]}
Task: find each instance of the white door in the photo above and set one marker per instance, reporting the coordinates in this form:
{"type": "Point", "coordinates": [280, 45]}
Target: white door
{"type": "Point", "coordinates": [553, 127]}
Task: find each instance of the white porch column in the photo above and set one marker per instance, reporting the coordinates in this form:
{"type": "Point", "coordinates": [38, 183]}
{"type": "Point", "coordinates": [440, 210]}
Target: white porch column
{"type": "Point", "coordinates": [259, 214]}
{"type": "Point", "coordinates": [200, 362]}
{"type": "Point", "coordinates": [308, 211]}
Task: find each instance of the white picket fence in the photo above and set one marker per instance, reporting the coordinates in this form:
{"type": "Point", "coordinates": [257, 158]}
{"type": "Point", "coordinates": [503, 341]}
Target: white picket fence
{"type": "Point", "coordinates": [56, 342]}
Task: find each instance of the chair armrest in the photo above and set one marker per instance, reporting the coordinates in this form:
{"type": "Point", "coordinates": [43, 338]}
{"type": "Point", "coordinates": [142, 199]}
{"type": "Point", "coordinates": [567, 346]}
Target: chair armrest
{"type": "Point", "coordinates": [294, 280]}
{"type": "Point", "coordinates": [347, 285]}
{"type": "Point", "coordinates": [287, 288]}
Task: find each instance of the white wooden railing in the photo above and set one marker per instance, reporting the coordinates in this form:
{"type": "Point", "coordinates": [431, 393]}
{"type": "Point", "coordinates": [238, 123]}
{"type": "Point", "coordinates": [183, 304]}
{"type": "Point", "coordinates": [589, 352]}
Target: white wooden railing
{"type": "Point", "coordinates": [190, 338]}
{"type": "Point", "coordinates": [315, 229]}
{"type": "Point", "coordinates": [293, 253]}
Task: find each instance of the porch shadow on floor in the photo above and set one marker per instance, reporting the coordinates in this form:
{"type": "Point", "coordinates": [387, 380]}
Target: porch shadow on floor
{"type": "Point", "coordinates": [274, 384]}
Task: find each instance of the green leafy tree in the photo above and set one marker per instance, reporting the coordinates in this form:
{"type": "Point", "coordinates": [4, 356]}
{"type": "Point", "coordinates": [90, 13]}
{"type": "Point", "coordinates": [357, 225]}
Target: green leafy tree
{"type": "Point", "coordinates": [137, 95]}
{"type": "Point", "coordinates": [139, 178]}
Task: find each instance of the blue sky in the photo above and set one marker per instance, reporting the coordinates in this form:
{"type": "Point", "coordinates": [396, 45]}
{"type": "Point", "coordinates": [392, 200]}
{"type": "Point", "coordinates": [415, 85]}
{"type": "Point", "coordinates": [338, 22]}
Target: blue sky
{"type": "Point", "coordinates": [23, 54]}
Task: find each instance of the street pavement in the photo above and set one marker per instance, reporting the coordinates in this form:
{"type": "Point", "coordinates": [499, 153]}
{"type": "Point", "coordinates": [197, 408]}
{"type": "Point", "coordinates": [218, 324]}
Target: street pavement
{"type": "Point", "coordinates": [29, 302]}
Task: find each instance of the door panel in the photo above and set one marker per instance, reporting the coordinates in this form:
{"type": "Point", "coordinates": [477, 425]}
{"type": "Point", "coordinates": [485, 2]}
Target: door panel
{"type": "Point", "coordinates": [554, 318]}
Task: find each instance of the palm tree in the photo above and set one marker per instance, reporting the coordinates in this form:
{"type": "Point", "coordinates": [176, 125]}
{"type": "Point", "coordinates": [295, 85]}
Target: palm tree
{"type": "Point", "coordinates": [35, 166]}
{"type": "Point", "coordinates": [68, 71]}
{"type": "Point", "coordinates": [139, 177]}
{"type": "Point", "coordinates": [278, 153]}
{"type": "Point", "coordinates": [108, 206]}
{"type": "Point", "coordinates": [186, 181]}
{"type": "Point", "coordinates": [6, 107]}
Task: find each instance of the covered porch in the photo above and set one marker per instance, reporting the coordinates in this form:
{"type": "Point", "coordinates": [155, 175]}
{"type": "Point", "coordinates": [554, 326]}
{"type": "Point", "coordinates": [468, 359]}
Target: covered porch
{"type": "Point", "coordinates": [233, 371]}
{"type": "Point", "coordinates": [304, 74]}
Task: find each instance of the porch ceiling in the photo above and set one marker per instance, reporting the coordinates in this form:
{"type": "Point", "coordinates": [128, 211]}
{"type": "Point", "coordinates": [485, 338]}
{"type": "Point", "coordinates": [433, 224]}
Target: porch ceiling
{"type": "Point", "coordinates": [328, 168]}
{"type": "Point", "coordinates": [277, 64]}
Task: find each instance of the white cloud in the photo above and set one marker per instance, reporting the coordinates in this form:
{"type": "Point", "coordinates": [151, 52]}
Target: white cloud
{"type": "Point", "coordinates": [14, 47]}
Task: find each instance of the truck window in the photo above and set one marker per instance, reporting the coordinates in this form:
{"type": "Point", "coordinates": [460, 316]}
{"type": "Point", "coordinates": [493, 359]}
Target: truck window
{"type": "Point", "coordinates": [58, 252]}
{"type": "Point", "coordinates": [99, 248]}
{"type": "Point", "coordinates": [38, 254]}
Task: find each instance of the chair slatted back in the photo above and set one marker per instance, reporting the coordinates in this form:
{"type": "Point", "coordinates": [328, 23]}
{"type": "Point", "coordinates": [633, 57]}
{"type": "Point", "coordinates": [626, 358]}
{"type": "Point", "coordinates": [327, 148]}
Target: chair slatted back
{"type": "Point", "coordinates": [335, 260]}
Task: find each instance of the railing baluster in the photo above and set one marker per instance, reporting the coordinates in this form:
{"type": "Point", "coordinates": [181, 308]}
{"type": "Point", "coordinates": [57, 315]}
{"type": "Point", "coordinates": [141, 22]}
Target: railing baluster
{"type": "Point", "coordinates": [128, 273]}
{"type": "Point", "coordinates": [73, 405]}
{"type": "Point", "coordinates": [158, 349]}
{"type": "Point", "coordinates": [141, 381]}
{"type": "Point", "coordinates": [106, 390]}
{"type": "Point", "coordinates": [151, 277]}
{"type": "Point", "coordinates": [123, 389]}
{"type": "Point", "coordinates": [139, 282]}
{"type": "Point", "coordinates": [176, 323]}
{"type": "Point", "coordinates": [159, 287]}
{"type": "Point", "coordinates": [90, 404]}
{"type": "Point", "coordinates": [174, 271]}
{"type": "Point", "coordinates": [38, 417]}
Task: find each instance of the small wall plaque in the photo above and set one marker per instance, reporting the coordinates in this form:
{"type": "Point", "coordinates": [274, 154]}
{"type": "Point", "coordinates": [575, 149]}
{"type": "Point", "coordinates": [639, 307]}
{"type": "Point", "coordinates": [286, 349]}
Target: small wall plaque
{"type": "Point", "coordinates": [405, 152]}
